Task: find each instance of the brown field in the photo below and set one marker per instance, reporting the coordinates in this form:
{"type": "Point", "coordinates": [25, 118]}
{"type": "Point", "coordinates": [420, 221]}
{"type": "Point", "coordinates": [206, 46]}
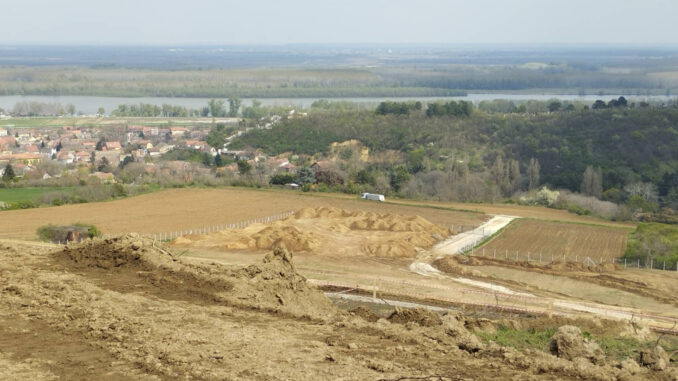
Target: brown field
{"type": "Point", "coordinates": [560, 239]}
{"type": "Point", "coordinates": [178, 209]}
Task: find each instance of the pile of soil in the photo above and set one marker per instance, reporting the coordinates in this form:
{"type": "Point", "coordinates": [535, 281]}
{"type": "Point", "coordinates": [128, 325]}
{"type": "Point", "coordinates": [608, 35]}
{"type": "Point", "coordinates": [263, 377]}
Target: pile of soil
{"type": "Point", "coordinates": [330, 230]}
{"type": "Point", "coordinates": [421, 316]}
{"type": "Point", "coordinates": [254, 237]}
{"type": "Point", "coordinates": [272, 285]}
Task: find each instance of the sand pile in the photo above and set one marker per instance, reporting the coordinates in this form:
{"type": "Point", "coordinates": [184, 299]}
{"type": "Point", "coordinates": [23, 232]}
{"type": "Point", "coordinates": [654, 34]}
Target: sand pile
{"type": "Point", "coordinates": [293, 238]}
{"type": "Point", "coordinates": [272, 285]}
{"type": "Point", "coordinates": [332, 231]}
{"type": "Point", "coordinates": [254, 237]}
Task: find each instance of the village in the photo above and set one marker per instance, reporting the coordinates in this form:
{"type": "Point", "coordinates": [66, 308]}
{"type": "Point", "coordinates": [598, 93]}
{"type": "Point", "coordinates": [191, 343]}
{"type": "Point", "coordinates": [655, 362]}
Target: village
{"type": "Point", "coordinates": [99, 153]}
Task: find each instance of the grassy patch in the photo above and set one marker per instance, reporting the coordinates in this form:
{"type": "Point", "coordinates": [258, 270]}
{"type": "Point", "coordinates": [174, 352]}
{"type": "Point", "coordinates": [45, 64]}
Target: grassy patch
{"type": "Point", "coordinates": [615, 347]}
{"type": "Point", "coordinates": [12, 195]}
{"type": "Point", "coordinates": [509, 337]}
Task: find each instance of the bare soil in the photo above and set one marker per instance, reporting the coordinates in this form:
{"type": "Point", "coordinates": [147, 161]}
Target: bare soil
{"type": "Point", "coordinates": [330, 231]}
{"type": "Point", "coordinates": [131, 308]}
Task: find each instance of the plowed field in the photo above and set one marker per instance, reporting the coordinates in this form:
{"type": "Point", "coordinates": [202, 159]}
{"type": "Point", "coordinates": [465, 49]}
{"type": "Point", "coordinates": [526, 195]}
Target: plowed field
{"type": "Point", "coordinates": [179, 209]}
{"type": "Point", "coordinates": [562, 240]}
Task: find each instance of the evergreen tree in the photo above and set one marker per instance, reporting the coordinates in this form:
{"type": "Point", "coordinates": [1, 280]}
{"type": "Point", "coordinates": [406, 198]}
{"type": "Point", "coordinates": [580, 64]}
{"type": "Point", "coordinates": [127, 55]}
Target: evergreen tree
{"type": "Point", "coordinates": [9, 174]}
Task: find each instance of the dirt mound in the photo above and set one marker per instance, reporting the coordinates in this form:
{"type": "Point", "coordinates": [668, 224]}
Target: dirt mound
{"type": "Point", "coordinates": [569, 343]}
{"type": "Point", "coordinates": [331, 231]}
{"type": "Point", "coordinates": [421, 316]}
{"type": "Point", "coordinates": [391, 249]}
{"type": "Point", "coordinates": [365, 314]}
{"type": "Point", "coordinates": [272, 285]}
{"type": "Point", "coordinates": [293, 238]}
{"type": "Point", "coordinates": [655, 358]}
{"type": "Point", "coordinates": [254, 237]}
{"type": "Point", "coordinates": [453, 265]}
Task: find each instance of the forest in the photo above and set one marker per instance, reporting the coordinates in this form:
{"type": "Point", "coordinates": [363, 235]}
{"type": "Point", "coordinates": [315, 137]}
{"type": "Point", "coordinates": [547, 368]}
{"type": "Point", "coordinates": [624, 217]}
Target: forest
{"type": "Point", "coordinates": [612, 153]}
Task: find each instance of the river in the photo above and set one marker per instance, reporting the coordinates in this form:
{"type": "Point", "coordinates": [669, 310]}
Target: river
{"type": "Point", "coordinates": [90, 104]}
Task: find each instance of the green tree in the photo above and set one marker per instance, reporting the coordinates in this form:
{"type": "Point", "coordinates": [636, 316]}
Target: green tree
{"type": "Point", "coordinates": [282, 179]}
{"type": "Point", "coordinates": [399, 176]}
{"type": "Point", "coordinates": [218, 161]}
{"type": "Point", "coordinates": [216, 107]}
{"type": "Point", "coordinates": [104, 166]}
{"type": "Point", "coordinates": [233, 106]}
{"type": "Point", "coordinates": [9, 174]}
{"type": "Point", "coordinates": [217, 136]}
{"type": "Point", "coordinates": [244, 167]}
{"type": "Point", "coordinates": [101, 111]}
{"type": "Point", "coordinates": [554, 106]}
{"type": "Point", "coordinates": [305, 176]}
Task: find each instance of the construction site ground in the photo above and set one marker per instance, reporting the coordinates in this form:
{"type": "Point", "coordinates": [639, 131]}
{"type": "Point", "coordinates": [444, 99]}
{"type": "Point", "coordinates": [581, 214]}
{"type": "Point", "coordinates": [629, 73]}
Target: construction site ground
{"type": "Point", "coordinates": [74, 314]}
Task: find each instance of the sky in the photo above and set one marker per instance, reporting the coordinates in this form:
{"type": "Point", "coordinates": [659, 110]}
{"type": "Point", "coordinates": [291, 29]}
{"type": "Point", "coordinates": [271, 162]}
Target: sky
{"type": "Point", "coordinates": [271, 22]}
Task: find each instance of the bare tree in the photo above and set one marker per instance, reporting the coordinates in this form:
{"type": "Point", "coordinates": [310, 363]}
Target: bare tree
{"type": "Point", "coordinates": [533, 170]}
{"type": "Point", "coordinates": [592, 182]}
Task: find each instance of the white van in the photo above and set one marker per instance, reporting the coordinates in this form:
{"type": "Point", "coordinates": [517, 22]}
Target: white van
{"type": "Point", "coordinates": [373, 196]}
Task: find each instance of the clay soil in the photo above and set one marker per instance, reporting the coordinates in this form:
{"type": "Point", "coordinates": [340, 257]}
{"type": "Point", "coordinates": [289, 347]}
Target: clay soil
{"type": "Point", "coordinates": [130, 308]}
{"type": "Point", "coordinates": [180, 209]}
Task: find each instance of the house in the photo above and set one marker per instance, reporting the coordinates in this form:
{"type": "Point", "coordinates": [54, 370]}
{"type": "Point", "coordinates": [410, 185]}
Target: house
{"type": "Point", "coordinates": [196, 144]}
{"type": "Point", "coordinates": [113, 157]}
{"type": "Point", "coordinates": [6, 142]}
{"type": "Point", "coordinates": [82, 156]}
{"type": "Point", "coordinates": [112, 146]}
{"type": "Point", "coordinates": [3, 132]}
{"type": "Point", "coordinates": [66, 157]}
{"type": "Point", "coordinates": [106, 178]}
{"type": "Point", "coordinates": [24, 158]}
{"type": "Point", "coordinates": [178, 131]}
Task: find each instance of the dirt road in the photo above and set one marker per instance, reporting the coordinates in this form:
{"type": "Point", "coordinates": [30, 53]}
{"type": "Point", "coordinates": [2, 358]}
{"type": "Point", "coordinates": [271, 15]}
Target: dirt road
{"type": "Point", "coordinates": [466, 240]}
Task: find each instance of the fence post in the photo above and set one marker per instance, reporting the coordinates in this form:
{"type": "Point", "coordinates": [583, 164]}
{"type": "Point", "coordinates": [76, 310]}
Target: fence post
{"type": "Point", "coordinates": [528, 257]}
{"type": "Point", "coordinates": [495, 253]}
{"type": "Point", "coordinates": [624, 262]}
{"type": "Point", "coordinates": [540, 257]}
{"type": "Point", "coordinates": [664, 266]}
{"type": "Point", "coordinates": [576, 258]}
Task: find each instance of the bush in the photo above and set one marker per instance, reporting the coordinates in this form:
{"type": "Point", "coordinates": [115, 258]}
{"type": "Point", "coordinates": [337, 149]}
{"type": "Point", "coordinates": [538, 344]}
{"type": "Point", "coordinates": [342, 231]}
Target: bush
{"type": "Point", "coordinates": [282, 179]}
{"type": "Point", "coordinates": [57, 233]}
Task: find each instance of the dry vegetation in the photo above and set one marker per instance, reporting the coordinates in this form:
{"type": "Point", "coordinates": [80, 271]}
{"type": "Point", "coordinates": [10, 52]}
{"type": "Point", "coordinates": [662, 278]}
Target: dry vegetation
{"type": "Point", "coordinates": [573, 241]}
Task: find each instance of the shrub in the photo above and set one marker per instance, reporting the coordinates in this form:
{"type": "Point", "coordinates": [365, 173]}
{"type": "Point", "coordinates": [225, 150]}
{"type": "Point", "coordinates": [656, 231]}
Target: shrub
{"type": "Point", "coordinates": [57, 233]}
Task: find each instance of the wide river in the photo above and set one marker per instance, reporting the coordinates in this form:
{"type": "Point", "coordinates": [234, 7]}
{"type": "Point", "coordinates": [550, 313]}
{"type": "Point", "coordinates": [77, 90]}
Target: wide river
{"type": "Point", "coordinates": [90, 104]}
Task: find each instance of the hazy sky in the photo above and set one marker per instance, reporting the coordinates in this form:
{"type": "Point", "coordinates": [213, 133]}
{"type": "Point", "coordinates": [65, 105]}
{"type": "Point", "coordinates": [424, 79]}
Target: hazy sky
{"type": "Point", "coordinates": [174, 22]}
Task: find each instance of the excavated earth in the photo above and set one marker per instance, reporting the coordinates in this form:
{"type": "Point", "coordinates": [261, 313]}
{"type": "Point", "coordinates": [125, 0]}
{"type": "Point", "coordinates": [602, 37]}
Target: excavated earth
{"type": "Point", "coordinates": [130, 308]}
{"type": "Point", "coordinates": [330, 231]}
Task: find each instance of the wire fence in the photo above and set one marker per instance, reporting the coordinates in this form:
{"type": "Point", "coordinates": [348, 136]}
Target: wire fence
{"type": "Point", "coordinates": [207, 229]}
{"type": "Point", "coordinates": [545, 258]}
